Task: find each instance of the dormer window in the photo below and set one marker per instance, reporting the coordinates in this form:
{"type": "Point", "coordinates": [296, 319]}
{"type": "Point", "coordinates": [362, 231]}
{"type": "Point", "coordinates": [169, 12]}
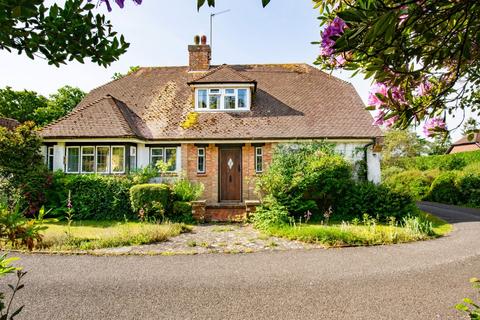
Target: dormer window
{"type": "Point", "coordinates": [222, 99]}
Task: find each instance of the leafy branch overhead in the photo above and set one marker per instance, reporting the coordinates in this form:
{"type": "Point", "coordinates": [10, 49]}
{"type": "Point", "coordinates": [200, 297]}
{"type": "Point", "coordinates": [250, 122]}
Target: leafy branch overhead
{"type": "Point", "coordinates": [59, 33]}
{"type": "Point", "coordinates": [211, 3]}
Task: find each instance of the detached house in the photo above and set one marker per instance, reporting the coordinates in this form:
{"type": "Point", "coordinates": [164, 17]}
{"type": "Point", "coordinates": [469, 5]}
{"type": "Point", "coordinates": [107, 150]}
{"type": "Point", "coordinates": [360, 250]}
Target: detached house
{"type": "Point", "coordinates": [215, 124]}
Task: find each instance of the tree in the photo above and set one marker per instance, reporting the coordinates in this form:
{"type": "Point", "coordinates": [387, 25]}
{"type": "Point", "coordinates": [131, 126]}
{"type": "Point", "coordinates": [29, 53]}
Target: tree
{"type": "Point", "coordinates": [30, 106]}
{"type": "Point", "coordinates": [401, 143]}
{"type": "Point", "coordinates": [20, 105]}
{"type": "Point", "coordinates": [59, 33]}
{"type": "Point", "coordinates": [439, 145]}
{"type": "Point", "coordinates": [59, 104]}
{"type": "Point", "coordinates": [470, 126]}
{"type": "Point", "coordinates": [118, 75]}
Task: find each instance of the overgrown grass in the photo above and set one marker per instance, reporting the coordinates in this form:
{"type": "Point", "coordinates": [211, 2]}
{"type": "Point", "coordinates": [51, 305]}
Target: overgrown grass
{"type": "Point", "coordinates": [90, 235]}
{"type": "Point", "coordinates": [365, 233]}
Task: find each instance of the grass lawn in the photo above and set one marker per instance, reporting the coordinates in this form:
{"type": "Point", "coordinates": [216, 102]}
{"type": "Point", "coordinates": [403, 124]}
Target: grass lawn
{"type": "Point", "coordinates": [89, 235]}
{"type": "Point", "coordinates": [339, 234]}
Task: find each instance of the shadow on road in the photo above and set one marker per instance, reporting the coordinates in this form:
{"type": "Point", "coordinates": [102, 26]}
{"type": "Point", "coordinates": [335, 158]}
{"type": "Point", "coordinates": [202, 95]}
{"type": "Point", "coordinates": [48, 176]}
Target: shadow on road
{"type": "Point", "coordinates": [449, 213]}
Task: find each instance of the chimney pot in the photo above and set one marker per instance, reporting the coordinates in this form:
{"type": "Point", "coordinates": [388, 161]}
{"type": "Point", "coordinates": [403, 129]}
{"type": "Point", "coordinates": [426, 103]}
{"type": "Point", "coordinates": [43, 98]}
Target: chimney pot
{"type": "Point", "coordinates": [196, 40]}
{"type": "Point", "coordinates": [204, 40]}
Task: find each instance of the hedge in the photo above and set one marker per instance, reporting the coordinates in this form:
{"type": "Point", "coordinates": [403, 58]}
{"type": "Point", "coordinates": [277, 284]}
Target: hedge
{"type": "Point", "coordinates": [454, 161]}
{"type": "Point", "coordinates": [93, 197]}
{"type": "Point", "coordinates": [153, 199]}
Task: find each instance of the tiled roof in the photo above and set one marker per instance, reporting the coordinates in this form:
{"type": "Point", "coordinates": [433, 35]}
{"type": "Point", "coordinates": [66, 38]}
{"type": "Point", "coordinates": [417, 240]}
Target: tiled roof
{"type": "Point", "coordinates": [222, 74]}
{"type": "Point", "coordinates": [9, 123]}
{"type": "Point", "coordinates": [291, 101]}
{"type": "Point", "coordinates": [464, 140]}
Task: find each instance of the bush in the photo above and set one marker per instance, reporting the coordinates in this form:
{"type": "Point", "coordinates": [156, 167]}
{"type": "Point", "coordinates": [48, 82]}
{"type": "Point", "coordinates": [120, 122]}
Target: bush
{"type": "Point", "coordinates": [94, 197]}
{"type": "Point", "coordinates": [182, 212]}
{"type": "Point", "coordinates": [455, 161]}
{"type": "Point", "coordinates": [414, 182]}
{"type": "Point", "coordinates": [468, 185]}
{"type": "Point", "coordinates": [270, 213]}
{"type": "Point", "coordinates": [151, 199]}
{"type": "Point", "coordinates": [378, 201]}
{"type": "Point", "coordinates": [444, 189]}
{"type": "Point", "coordinates": [186, 191]}
{"type": "Point", "coordinates": [305, 177]}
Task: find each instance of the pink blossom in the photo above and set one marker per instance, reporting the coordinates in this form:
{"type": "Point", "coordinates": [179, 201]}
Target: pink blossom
{"type": "Point", "coordinates": [334, 29]}
{"type": "Point", "coordinates": [404, 16]}
{"type": "Point", "coordinates": [378, 117]}
{"type": "Point", "coordinates": [424, 88]}
{"type": "Point", "coordinates": [340, 60]}
{"type": "Point", "coordinates": [432, 125]}
{"type": "Point", "coordinates": [378, 88]}
{"type": "Point", "coordinates": [390, 122]}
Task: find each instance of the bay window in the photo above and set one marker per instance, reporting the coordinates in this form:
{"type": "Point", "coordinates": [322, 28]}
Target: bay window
{"type": "Point", "coordinates": [222, 99]}
{"type": "Point", "coordinates": [96, 159]}
{"type": "Point", "coordinates": [88, 159]}
{"type": "Point", "coordinates": [103, 159]}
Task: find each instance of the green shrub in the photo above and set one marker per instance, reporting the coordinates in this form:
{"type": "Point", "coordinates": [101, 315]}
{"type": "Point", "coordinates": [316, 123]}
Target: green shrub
{"type": "Point", "coordinates": [184, 190]}
{"type": "Point", "coordinates": [305, 177]}
{"type": "Point", "coordinates": [468, 185]}
{"type": "Point", "coordinates": [455, 161]}
{"type": "Point", "coordinates": [93, 197]}
{"type": "Point", "coordinates": [270, 213]}
{"type": "Point", "coordinates": [414, 182]}
{"type": "Point", "coordinates": [444, 189]}
{"type": "Point", "coordinates": [387, 172]}
{"type": "Point", "coordinates": [182, 212]}
{"type": "Point", "coordinates": [152, 199]}
{"type": "Point", "coordinates": [378, 201]}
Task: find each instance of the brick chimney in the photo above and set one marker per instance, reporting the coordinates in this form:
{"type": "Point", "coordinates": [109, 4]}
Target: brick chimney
{"type": "Point", "coordinates": [199, 54]}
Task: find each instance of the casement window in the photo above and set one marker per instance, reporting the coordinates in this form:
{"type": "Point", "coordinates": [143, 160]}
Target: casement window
{"type": "Point", "coordinates": [201, 160]}
{"type": "Point", "coordinates": [118, 159]}
{"type": "Point", "coordinates": [103, 159]}
{"type": "Point", "coordinates": [50, 158]}
{"type": "Point", "coordinates": [73, 159]}
{"type": "Point", "coordinates": [133, 158]}
{"type": "Point", "coordinates": [258, 159]}
{"type": "Point", "coordinates": [227, 99]}
{"type": "Point", "coordinates": [88, 159]}
{"type": "Point", "coordinates": [166, 155]}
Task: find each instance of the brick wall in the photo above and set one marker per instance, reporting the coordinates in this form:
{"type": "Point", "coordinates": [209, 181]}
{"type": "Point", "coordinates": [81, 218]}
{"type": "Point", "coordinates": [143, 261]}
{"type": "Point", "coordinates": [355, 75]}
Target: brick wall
{"type": "Point", "coordinates": [199, 57]}
{"type": "Point", "coordinates": [210, 177]}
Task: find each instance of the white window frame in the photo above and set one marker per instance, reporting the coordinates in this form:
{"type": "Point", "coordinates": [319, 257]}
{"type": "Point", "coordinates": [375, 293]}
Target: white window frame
{"type": "Point", "coordinates": [222, 93]}
{"type": "Point", "coordinates": [108, 159]}
{"type": "Point", "coordinates": [94, 160]}
{"type": "Point", "coordinates": [111, 160]}
{"type": "Point", "coordinates": [204, 156]}
{"type": "Point", "coordinates": [133, 153]}
{"type": "Point", "coordinates": [50, 157]}
{"type": "Point", "coordinates": [258, 154]}
{"type": "Point", "coordinates": [66, 159]}
{"type": "Point", "coordinates": [164, 156]}
{"type": "Point", "coordinates": [151, 155]}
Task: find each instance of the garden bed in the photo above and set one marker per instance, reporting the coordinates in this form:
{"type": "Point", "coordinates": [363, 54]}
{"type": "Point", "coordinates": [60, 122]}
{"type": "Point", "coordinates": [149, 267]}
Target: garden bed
{"type": "Point", "coordinates": [91, 235]}
{"type": "Point", "coordinates": [365, 233]}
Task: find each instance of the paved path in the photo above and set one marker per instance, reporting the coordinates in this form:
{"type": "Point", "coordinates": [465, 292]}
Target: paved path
{"type": "Point", "coordinates": [422, 280]}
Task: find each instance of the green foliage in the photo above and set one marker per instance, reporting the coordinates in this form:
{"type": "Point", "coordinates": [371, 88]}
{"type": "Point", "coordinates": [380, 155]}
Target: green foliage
{"type": "Point", "coordinates": [5, 269]}
{"type": "Point", "coordinates": [152, 200]}
{"type": "Point", "coordinates": [468, 185]}
{"type": "Point", "coordinates": [182, 212]}
{"type": "Point", "coordinates": [59, 33]}
{"type": "Point", "coordinates": [93, 197]}
{"type": "Point", "coordinates": [444, 189]}
{"type": "Point", "coordinates": [413, 182]}
{"type": "Point", "coordinates": [375, 200]}
{"type": "Point", "coordinates": [305, 176]}
{"type": "Point", "coordinates": [22, 169]}
{"type": "Point", "coordinates": [454, 161]}
{"type": "Point", "coordinates": [468, 306]}
{"type": "Point", "coordinates": [30, 106]}
{"type": "Point", "coordinates": [399, 144]}
{"type": "Point", "coordinates": [403, 43]}
{"type": "Point", "coordinates": [187, 191]}
{"type": "Point", "coordinates": [270, 213]}
{"type": "Point", "coordinates": [118, 75]}
{"type": "Point", "coordinates": [144, 175]}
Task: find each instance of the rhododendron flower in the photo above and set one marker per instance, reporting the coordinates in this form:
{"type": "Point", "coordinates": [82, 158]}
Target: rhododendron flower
{"type": "Point", "coordinates": [390, 122]}
{"type": "Point", "coordinates": [120, 3]}
{"type": "Point", "coordinates": [424, 88]}
{"type": "Point", "coordinates": [433, 124]}
{"type": "Point", "coordinates": [378, 117]}
{"type": "Point", "coordinates": [340, 60]}
{"type": "Point", "coordinates": [373, 99]}
{"type": "Point", "coordinates": [334, 29]}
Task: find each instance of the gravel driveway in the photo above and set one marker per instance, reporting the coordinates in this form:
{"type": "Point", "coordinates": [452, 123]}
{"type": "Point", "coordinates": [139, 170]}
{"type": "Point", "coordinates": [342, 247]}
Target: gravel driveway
{"type": "Point", "coordinates": [421, 280]}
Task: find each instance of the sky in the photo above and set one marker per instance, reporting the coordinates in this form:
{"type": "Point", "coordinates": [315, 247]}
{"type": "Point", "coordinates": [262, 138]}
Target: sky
{"type": "Point", "coordinates": [159, 32]}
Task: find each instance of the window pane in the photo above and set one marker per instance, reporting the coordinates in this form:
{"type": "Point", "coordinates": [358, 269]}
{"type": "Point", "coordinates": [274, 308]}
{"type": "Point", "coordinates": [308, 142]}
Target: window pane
{"type": "Point", "coordinates": [202, 99]}
{"type": "Point", "coordinates": [103, 159]}
{"type": "Point", "coordinates": [50, 158]}
{"type": "Point", "coordinates": [73, 155]}
{"type": "Point", "coordinates": [214, 101]}
{"type": "Point", "coordinates": [157, 155]}
{"type": "Point", "coordinates": [242, 99]}
{"type": "Point", "coordinates": [229, 102]}
{"type": "Point", "coordinates": [88, 159]}
{"type": "Point", "coordinates": [133, 158]}
{"type": "Point", "coordinates": [229, 91]}
{"type": "Point", "coordinates": [118, 159]}
{"type": "Point", "coordinates": [201, 160]}
{"type": "Point", "coordinates": [171, 158]}
{"type": "Point", "coordinates": [258, 159]}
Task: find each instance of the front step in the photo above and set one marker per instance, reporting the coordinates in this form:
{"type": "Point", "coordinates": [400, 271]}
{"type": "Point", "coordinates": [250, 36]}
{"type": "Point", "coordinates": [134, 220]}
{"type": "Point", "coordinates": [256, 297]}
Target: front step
{"type": "Point", "coordinates": [223, 212]}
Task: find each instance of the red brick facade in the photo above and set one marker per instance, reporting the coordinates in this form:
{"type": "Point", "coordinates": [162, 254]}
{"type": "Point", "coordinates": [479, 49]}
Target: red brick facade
{"type": "Point", "coordinates": [210, 177]}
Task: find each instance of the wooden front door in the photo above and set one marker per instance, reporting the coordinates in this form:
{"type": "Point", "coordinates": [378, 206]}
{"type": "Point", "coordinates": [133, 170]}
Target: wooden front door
{"type": "Point", "coordinates": [230, 173]}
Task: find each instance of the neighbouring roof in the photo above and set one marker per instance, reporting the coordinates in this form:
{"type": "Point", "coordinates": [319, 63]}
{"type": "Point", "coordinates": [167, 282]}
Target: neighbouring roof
{"type": "Point", "coordinates": [9, 123]}
{"type": "Point", "coordinates": [464, 141]}
{"type": "Point", "coordinates": [291, 101]}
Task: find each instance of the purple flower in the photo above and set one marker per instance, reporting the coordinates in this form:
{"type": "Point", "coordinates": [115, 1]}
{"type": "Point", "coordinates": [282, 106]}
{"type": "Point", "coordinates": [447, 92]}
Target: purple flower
{"type": "Point", "coordinates": [334, 29]}
{"type": "Point", "coordinates": [424, 88]}
{"type": "Point", "coordinates": [432, 125]}
{"type": "Point", "coordinates": [390, 122]}
{"type": "Point", "coordinates": [378, 117]}
{"type": "Point", "coordinates": [120, 3]}
{"type": "Point", "coordinates": [378, 88]}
